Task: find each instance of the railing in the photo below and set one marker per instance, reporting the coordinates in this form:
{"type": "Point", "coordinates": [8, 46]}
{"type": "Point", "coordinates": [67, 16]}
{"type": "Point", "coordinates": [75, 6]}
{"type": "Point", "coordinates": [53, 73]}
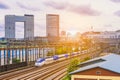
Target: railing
{"type": "Point", "coordinates": [12, 66]}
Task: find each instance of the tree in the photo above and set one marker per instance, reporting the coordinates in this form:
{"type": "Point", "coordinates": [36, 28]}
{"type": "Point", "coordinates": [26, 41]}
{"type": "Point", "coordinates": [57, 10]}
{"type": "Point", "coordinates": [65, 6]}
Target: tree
{"type": "Point", "coordinates": [15, 60]}
{"type": "Point", "coordinates": [85, 59]}
{"type": "Point", "coordinates": [62, 50]}
{"type": "Point", "coordinates": [50, 53]}
{"type": "Point", "coordinates": [73, 65]}
{"type": "Point", "coordinates": [87, 42]}
{"type": "Point", "coordinates": [59, 51]}
{"type": "Point", "coordinates": [76, 49]}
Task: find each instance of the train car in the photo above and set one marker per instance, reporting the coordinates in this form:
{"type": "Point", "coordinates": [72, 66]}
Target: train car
{"type": "Point", "coordinates": [76, 53]}
{"type": "Point", "coordinates": [40, 62]}
{"type": "Point", "coordinates": [63, 56]}
{"type": "Point", "coordinates": [72, 54]}
{"type": "Point", "coordinates": [55, 57]}
{"type": "Point", "coordinates": [48, 60]}
{"type": "Point", "coordinates": [66, 55]}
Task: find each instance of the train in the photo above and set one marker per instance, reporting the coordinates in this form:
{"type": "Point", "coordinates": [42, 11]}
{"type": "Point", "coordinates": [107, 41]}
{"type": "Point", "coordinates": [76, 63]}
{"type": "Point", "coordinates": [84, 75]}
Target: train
{"type": "Point", "coordinates": [42, 61]}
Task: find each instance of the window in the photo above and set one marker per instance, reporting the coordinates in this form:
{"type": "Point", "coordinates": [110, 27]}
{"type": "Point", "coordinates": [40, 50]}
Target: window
{"type": "Point", "coordinates": [98, 72]}
{"type": "Point", "coordinates": [9, 27]}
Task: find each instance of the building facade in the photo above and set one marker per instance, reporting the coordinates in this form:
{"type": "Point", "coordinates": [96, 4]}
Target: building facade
{"type": "Point", "coordinates": [102, 68]}
{"type": "Point", "coordinates": [96, 74]}
{"type": "Point", "coordinates": [105, 35]}
{"type": "Point", "coordinates": [52, 26]}
{"type": "Point", "coordinates": [112, 38]}
{"type": "Point", "coordinates": [28, 25]}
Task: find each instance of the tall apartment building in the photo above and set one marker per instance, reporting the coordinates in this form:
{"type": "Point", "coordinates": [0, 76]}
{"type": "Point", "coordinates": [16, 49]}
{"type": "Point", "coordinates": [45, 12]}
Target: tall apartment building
{"type": "Point", "coordinates": [52, 27]}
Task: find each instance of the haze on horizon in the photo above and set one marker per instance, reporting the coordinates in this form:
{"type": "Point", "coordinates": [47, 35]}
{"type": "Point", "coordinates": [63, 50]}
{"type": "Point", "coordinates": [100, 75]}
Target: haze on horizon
{"type": "Point", "coordinates": [75, 15]}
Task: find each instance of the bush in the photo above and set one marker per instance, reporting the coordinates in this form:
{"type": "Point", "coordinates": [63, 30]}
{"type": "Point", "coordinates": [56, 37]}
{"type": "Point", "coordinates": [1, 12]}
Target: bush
{"type": "Point", "coordinates": [85, 59]}
{"type": "Point", "coordinates": [73, 65]}
{"type": "Point", "coordinates": [50, 53]}
{"type": "Point", "coordinates": [15, 60]}
{"type": "Point", "coordinates": [67, 77]}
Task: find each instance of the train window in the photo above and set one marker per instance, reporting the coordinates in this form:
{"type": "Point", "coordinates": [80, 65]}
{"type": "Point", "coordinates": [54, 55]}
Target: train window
{"type": "Point", "coordinates": [41, 60]}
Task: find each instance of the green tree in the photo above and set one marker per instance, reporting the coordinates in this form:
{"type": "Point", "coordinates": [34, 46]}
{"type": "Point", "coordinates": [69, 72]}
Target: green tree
{"type": "Point", "coordinates": [68, 77]}
{"type": "Point", "coordinates": [73, 65]}
{"type": "Point", "coordinates": [50, 53]}
{"type": "Point", "coordinates": [85, 59]}
{"type": "Point", "coordinates": [76, 49]}
{"type": "Point", "coordinates": [15, 60]}
{"type": "Point", "coordinates": [59, 51]}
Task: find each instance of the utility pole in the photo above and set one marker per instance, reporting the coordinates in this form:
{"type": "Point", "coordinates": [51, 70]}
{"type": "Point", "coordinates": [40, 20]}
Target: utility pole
{"type": "Point", "coordinates": [26, 51]}
{"type": "Point", "coordinates": [8, 52]}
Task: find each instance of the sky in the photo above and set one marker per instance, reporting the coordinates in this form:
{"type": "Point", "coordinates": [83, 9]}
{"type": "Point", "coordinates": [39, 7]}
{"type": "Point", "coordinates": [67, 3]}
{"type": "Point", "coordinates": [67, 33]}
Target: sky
{"type": "Point", "coordinates": [75, 15]}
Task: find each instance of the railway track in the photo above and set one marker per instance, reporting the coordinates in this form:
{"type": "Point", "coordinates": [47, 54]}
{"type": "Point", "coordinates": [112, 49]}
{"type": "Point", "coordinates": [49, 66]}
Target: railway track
{"type": "Point", "coordinates": [32, 72]}
{"type": "Point", "coordinates": [35, 76]}
{"type": "Point", "coordinates": [49, 73]}
{"type": "Point", "coordinates": [58, 76]}
{"type": "Point", "coordinates": [16, 73]}
{"type": "Point", "coordinates": [55, 71]}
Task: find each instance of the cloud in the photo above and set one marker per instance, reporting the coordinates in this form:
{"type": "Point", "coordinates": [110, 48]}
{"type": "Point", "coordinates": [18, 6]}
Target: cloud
{"type": "Point", "coordinates": [27, 7]}
{"type": "Point", "coordinates": [116, 1]}
{"type": "Point", "coordinates": [3, 6]}
{"type": "Point", "coordinates": [81, 9]}
{"type": "Point", "coordinates": [59, 6]}
{"type": "Point", "coordinates": [108, 25]}
{"type": "Point", "coordinates": [85, 10]}
{"type": "Point", "coordinates": [117, 13]}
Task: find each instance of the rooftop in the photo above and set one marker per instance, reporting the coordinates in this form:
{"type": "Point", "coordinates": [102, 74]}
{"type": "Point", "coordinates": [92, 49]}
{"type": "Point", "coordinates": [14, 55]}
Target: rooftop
{"type": "Point", "coordinates": [109, 62]}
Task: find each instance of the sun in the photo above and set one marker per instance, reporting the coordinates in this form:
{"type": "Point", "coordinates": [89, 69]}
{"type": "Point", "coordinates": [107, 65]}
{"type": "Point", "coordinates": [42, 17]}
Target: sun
{"type": "Point", "coordinates": [72, 33]}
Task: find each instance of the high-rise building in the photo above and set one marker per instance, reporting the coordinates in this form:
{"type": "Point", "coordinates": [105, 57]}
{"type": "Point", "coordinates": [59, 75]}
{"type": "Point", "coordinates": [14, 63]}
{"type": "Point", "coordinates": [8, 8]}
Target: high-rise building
{"type": "Point", "coordinates": [28, 25]}
{"type": "Point", "coordinates": [63, 33]}
{"type": "Point", "coordinates": [63, 36]}
{"type": "Point", "coordinates": [52, 27]}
